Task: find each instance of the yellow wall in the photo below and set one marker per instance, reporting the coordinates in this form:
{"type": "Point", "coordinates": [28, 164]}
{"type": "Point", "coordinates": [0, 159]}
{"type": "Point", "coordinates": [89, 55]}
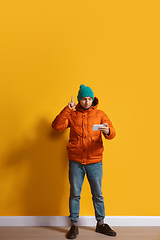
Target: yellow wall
{"type": "Point", "coordinates": [47, 49]}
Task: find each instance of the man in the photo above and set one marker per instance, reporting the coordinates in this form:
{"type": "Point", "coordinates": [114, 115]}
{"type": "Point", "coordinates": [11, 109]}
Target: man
{"type": "Point", "coordinates": [85, 150]}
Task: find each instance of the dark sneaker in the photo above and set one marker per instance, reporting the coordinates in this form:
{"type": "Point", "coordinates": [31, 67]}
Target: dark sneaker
{"type": "Point", "coordinates": [73, 232]}
{"type": "Point", "coordinates": [105, 229]}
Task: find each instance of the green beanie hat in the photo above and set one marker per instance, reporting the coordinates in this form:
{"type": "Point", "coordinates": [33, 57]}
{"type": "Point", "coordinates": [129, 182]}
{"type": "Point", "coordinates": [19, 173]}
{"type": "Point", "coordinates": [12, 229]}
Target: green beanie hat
{"type": "Point", "coordinates": [84, 91]}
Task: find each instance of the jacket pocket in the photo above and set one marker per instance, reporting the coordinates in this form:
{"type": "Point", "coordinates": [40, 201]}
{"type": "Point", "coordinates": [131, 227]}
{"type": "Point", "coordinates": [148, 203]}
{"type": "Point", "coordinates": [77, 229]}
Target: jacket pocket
{"type": "Point", "coordinates": [97, 147]}
{"type": "Point", "coordinates": [73, 146]}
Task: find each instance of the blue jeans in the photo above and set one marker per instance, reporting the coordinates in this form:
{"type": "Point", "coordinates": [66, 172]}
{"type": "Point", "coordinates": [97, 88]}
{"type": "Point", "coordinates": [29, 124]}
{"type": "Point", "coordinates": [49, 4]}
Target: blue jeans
{"type": "Point", "coordinates": [94, 174]}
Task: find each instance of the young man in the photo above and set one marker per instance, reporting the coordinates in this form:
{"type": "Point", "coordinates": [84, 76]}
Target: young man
{"type": "Point", "coordinates": [85, 150]}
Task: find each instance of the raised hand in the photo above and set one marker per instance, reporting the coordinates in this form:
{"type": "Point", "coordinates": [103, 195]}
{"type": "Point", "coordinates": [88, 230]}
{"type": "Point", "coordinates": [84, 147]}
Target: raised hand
{"type": "Point", "coordinates": [71, 104]}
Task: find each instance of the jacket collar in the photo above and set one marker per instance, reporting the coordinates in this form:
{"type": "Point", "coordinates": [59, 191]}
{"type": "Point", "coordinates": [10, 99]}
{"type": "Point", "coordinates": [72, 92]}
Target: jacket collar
{"type": "Point", "coordinates": [94, 106]}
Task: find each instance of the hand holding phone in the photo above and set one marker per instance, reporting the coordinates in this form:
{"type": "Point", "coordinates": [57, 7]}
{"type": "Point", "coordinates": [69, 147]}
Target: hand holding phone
{"type": "Point", "coordinates": [102, 127]}
{"type": "Point", "coordinates": [96, 127]}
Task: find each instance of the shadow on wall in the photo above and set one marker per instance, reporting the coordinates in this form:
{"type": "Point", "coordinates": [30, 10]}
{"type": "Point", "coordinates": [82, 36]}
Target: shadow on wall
{"type": "Point", "coordinates": [35, 174]}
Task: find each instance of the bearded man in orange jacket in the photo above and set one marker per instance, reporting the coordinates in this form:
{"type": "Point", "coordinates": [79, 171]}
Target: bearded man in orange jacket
{"type": "Point", "coordinates": [85, 152]}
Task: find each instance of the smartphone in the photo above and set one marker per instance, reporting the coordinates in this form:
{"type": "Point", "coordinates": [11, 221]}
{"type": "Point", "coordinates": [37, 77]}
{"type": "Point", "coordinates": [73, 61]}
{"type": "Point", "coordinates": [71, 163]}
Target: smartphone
{"type": "Point", "coordinates": [96, 126]}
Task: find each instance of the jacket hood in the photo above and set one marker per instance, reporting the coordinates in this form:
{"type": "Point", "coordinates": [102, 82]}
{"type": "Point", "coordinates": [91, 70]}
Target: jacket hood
{"type": "Point", "coordinates": [93, 106]}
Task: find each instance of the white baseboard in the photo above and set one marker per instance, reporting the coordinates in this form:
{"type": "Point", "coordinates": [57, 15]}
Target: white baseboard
{"type": "Point", "coordinates": [83, 221]}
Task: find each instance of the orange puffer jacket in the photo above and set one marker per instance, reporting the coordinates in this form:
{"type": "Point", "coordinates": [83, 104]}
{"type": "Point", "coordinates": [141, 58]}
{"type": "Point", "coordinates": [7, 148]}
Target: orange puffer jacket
{"type": "Point", "coordinates": [85, 145]}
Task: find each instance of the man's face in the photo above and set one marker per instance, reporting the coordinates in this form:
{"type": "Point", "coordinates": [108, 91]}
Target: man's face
{"type": "Point", "coordinates": [86, 102]}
